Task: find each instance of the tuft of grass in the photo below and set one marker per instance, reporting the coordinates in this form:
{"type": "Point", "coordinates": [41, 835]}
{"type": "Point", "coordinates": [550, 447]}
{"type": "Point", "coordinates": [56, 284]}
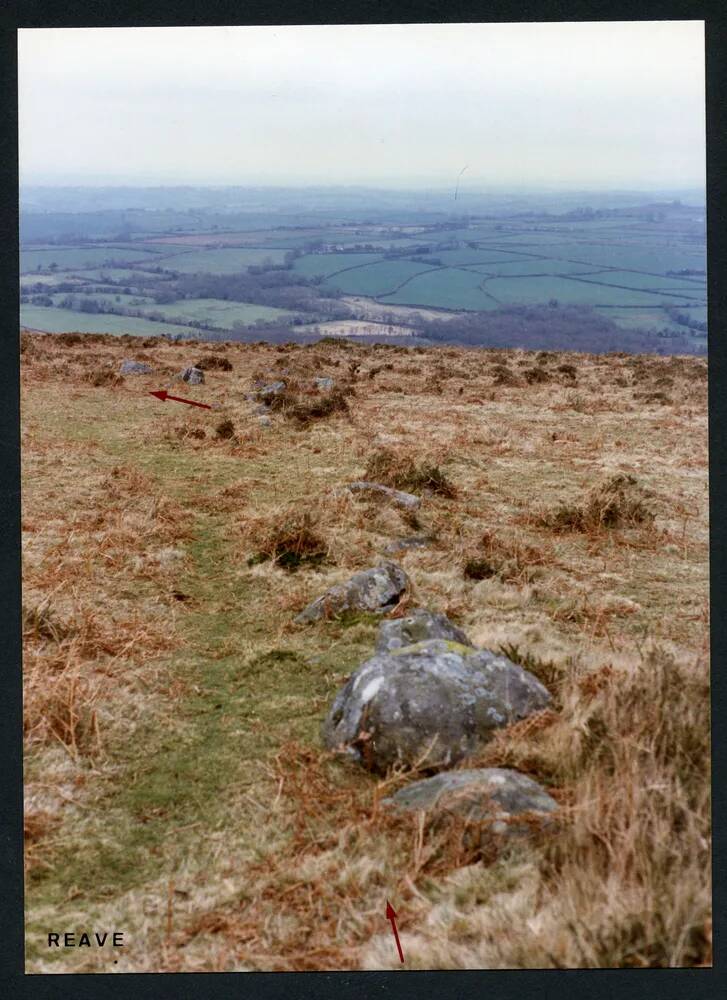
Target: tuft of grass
{"type": "Point", "coordinates": [478, 569]}
{"type": "Point", "coordinates": [104, 377]}
{"type": "Point", "coordinates": [391, 468]}
{"type": "Point", "coordinates": [214, 362]}
{"type": "Point", "coordinates": [291, 542]}
{"type": "Point", "coordinates": [225, 430]}
{"type": "Point", "coordinates": [615, 502]}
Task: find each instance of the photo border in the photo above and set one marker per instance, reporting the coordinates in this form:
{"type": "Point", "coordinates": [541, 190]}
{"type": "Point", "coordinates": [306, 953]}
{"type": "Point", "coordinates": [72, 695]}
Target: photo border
{"type": "Point", "coordinates": [663, 984]}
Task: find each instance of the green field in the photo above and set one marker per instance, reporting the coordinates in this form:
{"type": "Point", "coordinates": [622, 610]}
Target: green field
{"type": "Point", "coordinates": [646, 318]}
{"type": "Point", "coordinates": [650, 282]}
{"type": "Point", "coordinates": [228, 260]}
{"type": "Point", "coordinates": [78, 257]}
{"type": "Point", "coordinates": [448, 288]}
{"type": "Point", "coordinates": [311, 265]}
{"type": "Point", "coordinates": [52, 320]}
{"type": "Point", "coordinates": [480, 256]}
{"type": "Point", "coordinates": [531, 291]}
{"type": "Point", "coordinates": [648, 258]}
{"type": "Point", "coordinates": [538, 265]}
{"type": "Point", "coordinates": [219, 312]}
{"type": "Point", "coordinates": [376, 279]}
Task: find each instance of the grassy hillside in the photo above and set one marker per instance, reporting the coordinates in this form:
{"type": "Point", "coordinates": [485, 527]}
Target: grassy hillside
{"type": "Point", "coordinates": [176, 788]}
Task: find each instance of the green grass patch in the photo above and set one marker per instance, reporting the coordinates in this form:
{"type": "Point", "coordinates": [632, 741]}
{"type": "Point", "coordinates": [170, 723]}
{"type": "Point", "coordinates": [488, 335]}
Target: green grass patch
{"type": "Point", "coordinates": [52, 320]}
{"type": "Point", "coordinates": [219, 312]}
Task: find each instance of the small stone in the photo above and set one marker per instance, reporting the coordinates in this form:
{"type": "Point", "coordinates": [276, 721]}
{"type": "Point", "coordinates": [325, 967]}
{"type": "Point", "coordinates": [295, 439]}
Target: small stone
{"type": "Point", "coordinates": [135, 368]}
{"type": "Point", "coordinates": [491, 795]}
{"type": "Point", "coordinates": [403, 544]}
{"type": "Point", "coordinates": [324, 382]}
{"type": "Point", "coordinates": [265, 421]}
{"type": "Point", "coordinates": [194, 376]}
{"type": "Point", "coordinates": [417, 626]}
{"type": "Point", "coordinates": [375, 590]}
{"type": "Point", "coordinates": [397, 496]}
{"type": "Point", "coordinates": [273, 389]}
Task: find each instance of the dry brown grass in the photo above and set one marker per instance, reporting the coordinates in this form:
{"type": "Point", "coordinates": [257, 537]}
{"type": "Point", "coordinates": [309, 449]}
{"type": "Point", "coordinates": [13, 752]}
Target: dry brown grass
{"type": "Point", "coordinates": [401, 471]}
{"type": "Point", "coordinates": [617, 501]}
{"type": "Point", "coordinates": [293, 871]}
{"type": "Point", "coordinates": [290, 542]}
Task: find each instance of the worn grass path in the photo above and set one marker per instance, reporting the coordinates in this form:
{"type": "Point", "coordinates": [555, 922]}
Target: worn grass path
{"type": "Point", "coordinates": [177, 798]}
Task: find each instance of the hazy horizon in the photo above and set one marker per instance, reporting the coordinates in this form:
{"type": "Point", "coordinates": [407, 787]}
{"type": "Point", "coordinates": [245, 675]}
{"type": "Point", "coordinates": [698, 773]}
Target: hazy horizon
{"type": "Point", "coordinates": [599, 106]}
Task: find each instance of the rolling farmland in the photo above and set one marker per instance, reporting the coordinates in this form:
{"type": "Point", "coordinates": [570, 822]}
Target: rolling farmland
{"type": "Point", "coordinates": [630, 270]}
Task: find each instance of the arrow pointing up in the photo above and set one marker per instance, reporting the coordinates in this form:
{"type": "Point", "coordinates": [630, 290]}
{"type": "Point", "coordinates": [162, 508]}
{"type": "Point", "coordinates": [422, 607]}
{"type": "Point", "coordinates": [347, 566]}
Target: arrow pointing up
{"type": "Point", "coordinates": [391, 915]}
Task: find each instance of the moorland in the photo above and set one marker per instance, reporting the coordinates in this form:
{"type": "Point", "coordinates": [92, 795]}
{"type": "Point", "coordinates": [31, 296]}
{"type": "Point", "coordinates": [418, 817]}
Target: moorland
{"type": "Point", "coordinates": [177, 788]}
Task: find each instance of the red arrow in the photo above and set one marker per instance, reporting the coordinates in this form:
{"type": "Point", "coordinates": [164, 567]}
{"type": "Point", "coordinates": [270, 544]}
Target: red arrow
{"type": "Point", "coordinates": [391, 915]}
{"type": "Point", "coordinates": [164, 395]}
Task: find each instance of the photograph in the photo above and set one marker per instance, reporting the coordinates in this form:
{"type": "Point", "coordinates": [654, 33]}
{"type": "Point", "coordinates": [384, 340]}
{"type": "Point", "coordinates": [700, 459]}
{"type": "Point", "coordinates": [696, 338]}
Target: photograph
{"type": "Point", "coordinates": [365, 497]}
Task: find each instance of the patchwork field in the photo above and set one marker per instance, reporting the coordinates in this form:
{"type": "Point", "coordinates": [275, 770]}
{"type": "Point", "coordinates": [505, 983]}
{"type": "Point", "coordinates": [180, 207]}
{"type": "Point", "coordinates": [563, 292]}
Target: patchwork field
{"type": "Point", "coordinates": [176, 785]}
{"type": "Point", "coordinates": [620, 263]}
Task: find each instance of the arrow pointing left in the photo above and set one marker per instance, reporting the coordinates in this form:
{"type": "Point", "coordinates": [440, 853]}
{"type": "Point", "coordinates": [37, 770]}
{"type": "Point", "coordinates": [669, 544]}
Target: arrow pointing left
{"type": "Point", "coordinates": [164, 395]}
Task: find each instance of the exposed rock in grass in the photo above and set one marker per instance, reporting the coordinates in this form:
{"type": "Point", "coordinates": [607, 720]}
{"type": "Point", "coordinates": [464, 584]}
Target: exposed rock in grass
{"type": "Point", "coordinates": [375, 590]}
{"type": "Point", "coordinates": [268, 391]}
{"type": "Point", "coordinates": [403, 544]}
{"type": "Point", "coordinates": [417, 626]}
{"type": "Point", "coordinates": [397, 496]}
{"type": "Point", "coordinates": [491, 796]}
{"type": "Point", "coordinates": [324, 382]}
{"type": "Point", "coordinates": [429, 704]}
{"type": "Point", "coordinates": [194, 376]}
{"type": "Point", "coordinates": [135, 368]}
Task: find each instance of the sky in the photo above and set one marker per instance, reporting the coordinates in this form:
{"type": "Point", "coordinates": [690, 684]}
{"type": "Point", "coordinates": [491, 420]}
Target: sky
{"type": "Point", "coordinates": [544, 105]}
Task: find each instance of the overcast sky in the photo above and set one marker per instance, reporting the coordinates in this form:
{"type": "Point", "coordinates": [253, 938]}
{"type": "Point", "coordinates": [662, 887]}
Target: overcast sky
{"type": "Point", "coordinates": [609, 104]}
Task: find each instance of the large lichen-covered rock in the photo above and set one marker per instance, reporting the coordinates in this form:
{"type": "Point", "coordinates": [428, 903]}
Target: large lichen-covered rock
{"type": "Point", "coordinates": [375, 590]}
{"type": "Point", "coordinates": [407, 500]}
{"type": "Point", "coordinates": [417, 626]}
{"type": "Point", "coordinates": [432, 703]}
{"type": "Point", "coordinates": [491, 795]}
{"type": "Point", "coordinates": [135, 368]}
